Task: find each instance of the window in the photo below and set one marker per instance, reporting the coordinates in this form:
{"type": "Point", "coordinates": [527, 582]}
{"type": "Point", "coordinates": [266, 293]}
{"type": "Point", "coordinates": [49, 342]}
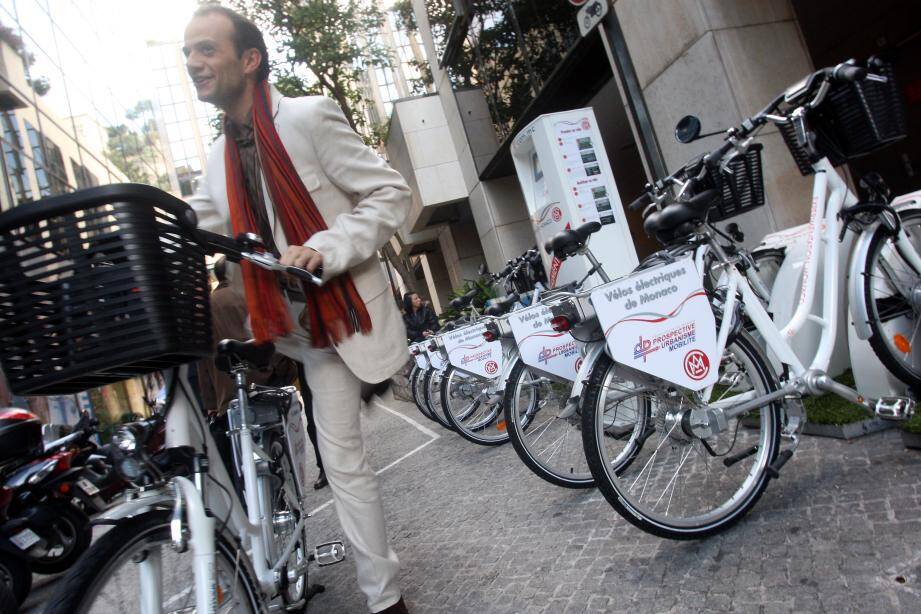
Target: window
{"type": "Point", "coordinates": [48, 162]}
{"type": "Point", "coordinates": [12, 153]}
{"type": "Point", "coordinates": [85, 179]}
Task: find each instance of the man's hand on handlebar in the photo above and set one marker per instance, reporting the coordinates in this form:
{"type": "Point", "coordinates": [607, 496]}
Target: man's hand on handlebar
{"type": "Point", "coordinates": [302, 257]}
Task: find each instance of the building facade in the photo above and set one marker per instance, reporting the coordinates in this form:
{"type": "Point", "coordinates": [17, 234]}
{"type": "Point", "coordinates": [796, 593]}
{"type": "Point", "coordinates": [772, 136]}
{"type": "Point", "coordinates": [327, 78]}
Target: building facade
{"type": "Point", "coordinates": [499, 65]}
{"type": "Point", "coordinates": [190, 125]}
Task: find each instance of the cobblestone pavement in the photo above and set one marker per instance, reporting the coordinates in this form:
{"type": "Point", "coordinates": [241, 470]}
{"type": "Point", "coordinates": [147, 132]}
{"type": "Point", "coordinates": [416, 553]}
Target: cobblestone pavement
{"type": "Point", "coordinates": [477, 533]}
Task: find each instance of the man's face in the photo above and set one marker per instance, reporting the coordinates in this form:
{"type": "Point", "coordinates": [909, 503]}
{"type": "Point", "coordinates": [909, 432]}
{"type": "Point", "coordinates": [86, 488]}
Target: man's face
{"type": "Point", "coordinates": [218, 72]}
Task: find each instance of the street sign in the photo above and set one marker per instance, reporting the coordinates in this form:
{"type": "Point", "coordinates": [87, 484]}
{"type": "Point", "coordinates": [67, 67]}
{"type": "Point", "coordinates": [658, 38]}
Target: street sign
{"type": "Point", "coordinates": [591, 15]}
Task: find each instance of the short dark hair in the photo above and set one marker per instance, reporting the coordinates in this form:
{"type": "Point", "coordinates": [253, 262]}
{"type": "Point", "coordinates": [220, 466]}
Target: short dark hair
{"type": "Point", "coordinates": [220, 270]}
{"type": "Point", "coordinates": [246, 35]}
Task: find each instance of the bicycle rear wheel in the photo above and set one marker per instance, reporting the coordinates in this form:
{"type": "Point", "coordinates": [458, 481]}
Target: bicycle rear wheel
{"type": "Point", "coordinates": [892, 291]}
{"type": "Point", "coordinates": [547, 441]}
{"type": "Point", "coordinates": [108, 578]}
{"type": "Point", "coordinates": [415, 387]}
{"type": "Point", "coordinates": [679, 485]}
{"type": "Point", "coordinates": [431, 394]}
{"type": "Point", "coordinates": [475, 415]}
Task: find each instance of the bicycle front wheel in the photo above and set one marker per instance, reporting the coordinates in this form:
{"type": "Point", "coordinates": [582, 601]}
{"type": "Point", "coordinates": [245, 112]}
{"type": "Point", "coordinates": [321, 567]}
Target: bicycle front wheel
{"type": "Point", "coordinates": [678, 485]}
{"type": "Point", "coordinates": [135, 557]}
{"type": "Point", "coordinates": [546, 439]}
{"type": "Point", "coordinates": [892, 291]}
{"type": "Point", "coordinates": [472, 411]}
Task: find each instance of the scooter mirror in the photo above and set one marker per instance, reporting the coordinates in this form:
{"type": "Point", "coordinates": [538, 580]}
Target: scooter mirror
{"type": "Point", "coordinates": [687, 129]}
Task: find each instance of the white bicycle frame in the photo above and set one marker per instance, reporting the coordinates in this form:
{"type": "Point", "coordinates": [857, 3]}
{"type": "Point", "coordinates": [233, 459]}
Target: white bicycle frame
{"type": "Point", "coordinates": [829, 195]}
{"type": "Point", "coordinates": [190, 496]}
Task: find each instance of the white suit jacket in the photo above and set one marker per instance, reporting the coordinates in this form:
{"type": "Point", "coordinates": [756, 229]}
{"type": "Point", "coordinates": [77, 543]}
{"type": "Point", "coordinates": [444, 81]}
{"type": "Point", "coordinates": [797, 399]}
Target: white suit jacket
{"type": "Point", "coordinates": [363, 202]}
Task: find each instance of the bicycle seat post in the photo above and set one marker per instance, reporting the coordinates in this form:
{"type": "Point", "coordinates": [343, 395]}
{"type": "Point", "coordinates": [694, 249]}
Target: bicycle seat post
{"type": "Point", "coordinates": [596, 266]}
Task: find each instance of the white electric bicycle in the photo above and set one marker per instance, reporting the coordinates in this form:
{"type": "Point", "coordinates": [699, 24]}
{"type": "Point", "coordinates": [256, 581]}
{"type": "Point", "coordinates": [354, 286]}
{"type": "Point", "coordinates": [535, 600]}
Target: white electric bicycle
{"type": "Point", "coordinates": [110, 282]}
{"type": "Point", "coordinates": [707, 455]}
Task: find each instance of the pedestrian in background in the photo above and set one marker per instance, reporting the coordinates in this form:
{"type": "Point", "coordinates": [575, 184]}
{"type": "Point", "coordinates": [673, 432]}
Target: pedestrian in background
{"type": "Point", "coordinates": [421, 321]}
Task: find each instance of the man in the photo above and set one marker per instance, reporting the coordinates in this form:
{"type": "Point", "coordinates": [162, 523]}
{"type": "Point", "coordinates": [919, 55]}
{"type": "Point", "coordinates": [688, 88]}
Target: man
{"type": "Point", "coordinates": [293, 171]}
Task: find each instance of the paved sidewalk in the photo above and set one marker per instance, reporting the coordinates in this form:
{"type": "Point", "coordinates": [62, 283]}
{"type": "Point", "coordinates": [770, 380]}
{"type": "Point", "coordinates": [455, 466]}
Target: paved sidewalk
{"type": "Point", "coordinates": [478, 533]}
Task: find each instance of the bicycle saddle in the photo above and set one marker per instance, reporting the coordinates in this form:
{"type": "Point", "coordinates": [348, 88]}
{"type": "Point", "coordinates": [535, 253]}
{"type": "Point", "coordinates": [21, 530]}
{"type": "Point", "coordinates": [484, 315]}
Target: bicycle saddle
{"type": "Point", "coordinates": [502, 305]}
{"type": "Point", "coordinates": [231, 353]}
{"type": "Point", "coordinates": [566, 243]}
{"type": "Point", "coordinates": [662, 223]}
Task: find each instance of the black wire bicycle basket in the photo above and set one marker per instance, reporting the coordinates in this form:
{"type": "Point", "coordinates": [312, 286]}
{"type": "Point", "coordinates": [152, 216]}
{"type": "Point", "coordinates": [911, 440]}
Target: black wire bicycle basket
{"type": "Point", "coordinates": [98, 286]}
{"type": "Point", "coordinates": [741, 185]}
{"type": "Point", "coordinates": [855, 119]}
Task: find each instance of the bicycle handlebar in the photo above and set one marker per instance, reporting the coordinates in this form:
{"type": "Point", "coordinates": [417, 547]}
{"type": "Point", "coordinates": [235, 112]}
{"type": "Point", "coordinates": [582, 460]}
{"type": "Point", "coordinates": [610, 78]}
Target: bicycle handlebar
{"type": "Point", "coordinates": [236, 250]}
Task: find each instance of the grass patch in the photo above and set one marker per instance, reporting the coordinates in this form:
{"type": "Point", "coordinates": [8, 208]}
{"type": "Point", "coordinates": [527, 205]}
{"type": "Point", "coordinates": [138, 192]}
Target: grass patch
{"type": "Point", "coordinates": [912, 425]}
{"type": "Point", "coordinates": [832, 409]}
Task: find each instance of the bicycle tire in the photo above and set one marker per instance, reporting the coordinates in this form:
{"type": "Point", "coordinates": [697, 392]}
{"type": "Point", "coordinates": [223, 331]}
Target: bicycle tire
{"type": "Point", "coordinates": [431, 394]}
{"type": "Point", "coordinates": [883, 311]}
{"type": "Point", "coordinates": [474, 421]}
{"type": "Point", "coordinates": [77, 523]}
{"type": "Point", "coordinates": [16, 575]}
{"type": "Point", "coordinates": [415, 389]}
{"type": "Point", "coordinates": [86, 577]}
{"type": "Point", "coordinates": [616, 491]}
{"type": "Point", "coordinates": [519, 425]}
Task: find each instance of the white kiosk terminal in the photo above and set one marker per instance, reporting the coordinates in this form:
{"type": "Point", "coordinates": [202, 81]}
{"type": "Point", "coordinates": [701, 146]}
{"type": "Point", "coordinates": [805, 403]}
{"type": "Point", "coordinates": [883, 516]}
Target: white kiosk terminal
{"type": "Point", "coordinates": [567, 181]}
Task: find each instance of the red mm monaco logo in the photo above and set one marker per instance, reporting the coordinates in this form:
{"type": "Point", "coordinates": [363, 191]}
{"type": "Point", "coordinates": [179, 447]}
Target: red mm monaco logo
{"type": "Point", "coordinates": [696, 365]}
{"type": "Point", "coordinates": [491, 367]}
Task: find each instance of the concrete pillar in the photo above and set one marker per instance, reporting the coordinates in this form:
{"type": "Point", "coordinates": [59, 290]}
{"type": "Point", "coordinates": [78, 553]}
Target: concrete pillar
{"type": "Point", "coordinates": [721, 60]}
{"type": "Point", "coordinates": [436, 280]}
{"type": "Point", "coordinates": [462, 251]}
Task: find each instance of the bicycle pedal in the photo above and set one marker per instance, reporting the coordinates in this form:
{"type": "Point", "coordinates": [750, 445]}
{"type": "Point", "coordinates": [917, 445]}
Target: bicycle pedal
{"type": "Point", "coordinates": [894, 408]}
{"type": "Point", "coordinates": [773, 470]}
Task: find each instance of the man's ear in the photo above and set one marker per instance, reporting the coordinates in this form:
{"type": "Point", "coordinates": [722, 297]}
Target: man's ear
{"type": "Point", "coordinates": [251, 61]}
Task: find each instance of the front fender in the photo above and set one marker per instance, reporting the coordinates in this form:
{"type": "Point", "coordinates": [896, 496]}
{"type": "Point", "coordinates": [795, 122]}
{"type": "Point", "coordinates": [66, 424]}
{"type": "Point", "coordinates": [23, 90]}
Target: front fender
{"type": "Point", "coordinates": [592, 352]}
{"type": "Point", "coordinates": [135, 507]}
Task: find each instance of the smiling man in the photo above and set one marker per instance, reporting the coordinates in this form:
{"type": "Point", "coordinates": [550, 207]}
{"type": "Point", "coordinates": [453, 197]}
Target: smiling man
{"type": "Point", "coordinates": [294, 172]}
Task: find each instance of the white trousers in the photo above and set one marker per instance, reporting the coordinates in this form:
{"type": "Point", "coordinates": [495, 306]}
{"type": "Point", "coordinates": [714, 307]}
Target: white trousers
{"type": "Point", "coordinates": [356, 492]}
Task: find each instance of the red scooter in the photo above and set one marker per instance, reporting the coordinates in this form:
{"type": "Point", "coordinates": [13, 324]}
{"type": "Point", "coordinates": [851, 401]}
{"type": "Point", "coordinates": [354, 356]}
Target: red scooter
{"type": "Point", "coordinates": [41, 527]}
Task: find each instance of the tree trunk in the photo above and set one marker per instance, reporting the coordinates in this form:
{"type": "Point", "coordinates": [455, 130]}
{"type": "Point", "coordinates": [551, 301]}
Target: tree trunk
{"type": "Point", "coordinates": [401, 265]}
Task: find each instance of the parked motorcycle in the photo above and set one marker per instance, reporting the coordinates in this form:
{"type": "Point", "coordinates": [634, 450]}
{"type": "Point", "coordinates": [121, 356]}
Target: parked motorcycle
{"type": "Point", "coordinates": [37, 514]}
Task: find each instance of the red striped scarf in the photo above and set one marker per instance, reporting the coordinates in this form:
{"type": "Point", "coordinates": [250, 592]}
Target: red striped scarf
{"type": "Point", "coordinates": [335, 309]}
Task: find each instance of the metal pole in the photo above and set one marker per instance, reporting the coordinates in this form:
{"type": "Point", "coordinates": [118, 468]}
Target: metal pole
{"type": "Point", "coordinates": [630, 92]}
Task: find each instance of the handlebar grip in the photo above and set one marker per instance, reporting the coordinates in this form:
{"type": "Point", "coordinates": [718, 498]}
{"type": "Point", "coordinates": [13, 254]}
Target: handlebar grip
{"type": "Point", "coordinates": [849, 72]}
{"type": "Point", "coordinates": [304, 275]}
{"type": "Point", "coordinates": [644, 199]}
{"type": "Point", "coordinates": [714, 157]}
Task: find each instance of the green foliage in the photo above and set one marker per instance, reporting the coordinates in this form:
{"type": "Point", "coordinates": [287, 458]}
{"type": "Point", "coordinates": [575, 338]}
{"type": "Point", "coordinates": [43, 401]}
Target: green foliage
{"type": "Point", "coordinates": [913, 424]}
{"type": "Point", "coordinates": [325, 45]}
{"type": "Point", "coordinates": [485, 292]}
{"type": "Point", "coordinates": [511, 49]}
{"type": "Point", "coordinates": [832, 409]}
{"type": "Point", "coordinates": [135, 151]}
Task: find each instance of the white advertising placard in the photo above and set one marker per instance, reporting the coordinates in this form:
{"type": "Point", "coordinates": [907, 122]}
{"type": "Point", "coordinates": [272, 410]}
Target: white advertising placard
{"type": "Point", "coordinates": [469, 351]}
{"type": "Point", "coordinates": [435, 358]}
{"type": "Point", "coordinates": [543, 348]}
{"type": "Point", "coordinates": [659, 321]}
